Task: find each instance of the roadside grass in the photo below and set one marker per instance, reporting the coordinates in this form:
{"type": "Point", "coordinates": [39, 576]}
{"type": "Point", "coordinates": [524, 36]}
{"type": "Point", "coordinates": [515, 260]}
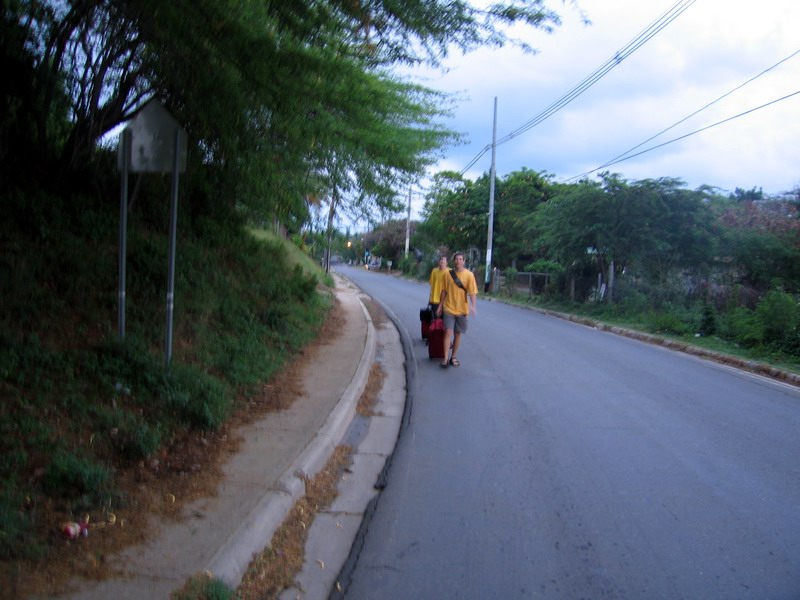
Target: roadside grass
{"type": "Point", "coordinates": [294, 255]}
{"type": "Point", "coordinates": [82, 407]}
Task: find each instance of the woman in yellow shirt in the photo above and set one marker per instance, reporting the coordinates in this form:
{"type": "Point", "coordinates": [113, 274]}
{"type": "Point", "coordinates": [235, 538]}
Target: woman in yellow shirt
{"type": "Point", "coordinates": [436, 281]}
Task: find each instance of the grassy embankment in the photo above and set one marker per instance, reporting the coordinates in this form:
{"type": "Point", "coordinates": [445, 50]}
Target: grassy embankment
{"type": "Point", "coordinates": [81, 408]}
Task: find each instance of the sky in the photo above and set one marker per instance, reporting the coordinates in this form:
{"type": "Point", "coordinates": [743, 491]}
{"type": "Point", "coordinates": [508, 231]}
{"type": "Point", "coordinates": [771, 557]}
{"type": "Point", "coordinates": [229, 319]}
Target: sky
{"type": "Point", "coordinates": [711, 48]}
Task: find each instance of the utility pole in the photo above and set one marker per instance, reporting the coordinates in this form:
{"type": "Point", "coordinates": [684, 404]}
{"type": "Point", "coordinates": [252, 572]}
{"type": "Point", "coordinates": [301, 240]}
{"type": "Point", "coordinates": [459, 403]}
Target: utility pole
{"type": "Point", "coordinates": [408, 220]}
{"type": "Point", "coordinates": [488, 278]}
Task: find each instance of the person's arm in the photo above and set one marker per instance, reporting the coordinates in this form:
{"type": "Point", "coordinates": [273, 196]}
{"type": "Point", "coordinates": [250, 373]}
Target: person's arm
{"type": "Point", "coordinates": [473, 301]}
{"type": "Point", "coordinates": [442, 296]}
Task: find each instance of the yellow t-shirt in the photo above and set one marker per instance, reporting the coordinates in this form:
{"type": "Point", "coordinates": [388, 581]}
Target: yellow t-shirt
{"type": "Point", "coordinates": [437, 283]}
{"type": "Point", "coordinates": [456, 302]}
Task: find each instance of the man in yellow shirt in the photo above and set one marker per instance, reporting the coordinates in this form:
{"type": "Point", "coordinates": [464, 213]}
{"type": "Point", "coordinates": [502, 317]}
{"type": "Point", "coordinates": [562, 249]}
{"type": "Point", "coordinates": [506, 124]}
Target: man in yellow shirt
{"type": "Point", "coordinates": [458, 299]}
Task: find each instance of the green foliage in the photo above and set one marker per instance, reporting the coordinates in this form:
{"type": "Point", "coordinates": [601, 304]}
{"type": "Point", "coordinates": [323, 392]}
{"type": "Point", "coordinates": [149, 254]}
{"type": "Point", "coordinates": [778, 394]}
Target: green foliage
{"type": "Point", "coordinates": [388, 240]}
{"type": "Point", "coordinates": [270, 92]}
{"type": "Point", "coordinates": [204, 588]}
{"type": "Point", "coordinates": [408, 265]}
{"type": "Point", "coordinates": [743, 326]}
{"type": "Point", "coordinates": [544, 265]}
{"type": "Point", "coordinates": [708, 322]}
{"type": "Point", "coordinates": [773, 325]}
{"type": "Point", "coordinates": [667, 322]}
{"type": "Point", "coordinates": [766, 259]}
{"type": "Point", "coordinates": [73, 477]}
{"type": "Point", "coordinates": [779, 316]}
{"type": "Point", "coordinates": [455, 212]}
{"type": "Point", "coordinates": [516, 197]}
{"type": "Point", "coordinates": [242, 308]}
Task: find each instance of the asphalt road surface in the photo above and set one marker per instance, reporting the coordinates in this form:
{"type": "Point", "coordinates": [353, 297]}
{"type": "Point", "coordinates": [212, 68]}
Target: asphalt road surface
{"type": "Point", "coordinates": [560, 461]}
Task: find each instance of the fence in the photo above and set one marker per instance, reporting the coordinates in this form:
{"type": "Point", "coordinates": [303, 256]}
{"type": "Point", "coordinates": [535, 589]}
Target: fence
{"type": "Point", "coordinates": [531, 284]}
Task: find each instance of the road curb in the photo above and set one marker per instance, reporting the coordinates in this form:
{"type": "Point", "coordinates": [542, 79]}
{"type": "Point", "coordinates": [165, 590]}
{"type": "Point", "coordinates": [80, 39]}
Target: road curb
{"type": "Point", "coordinates": [254, 533]}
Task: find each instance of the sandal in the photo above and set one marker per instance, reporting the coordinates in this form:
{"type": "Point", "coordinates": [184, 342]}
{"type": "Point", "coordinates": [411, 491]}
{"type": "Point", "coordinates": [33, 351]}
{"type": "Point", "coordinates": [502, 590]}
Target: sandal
{"type": "Point", "coordinates": [443, 364]}
{"type": "Point", "coordinates": [454, 362]}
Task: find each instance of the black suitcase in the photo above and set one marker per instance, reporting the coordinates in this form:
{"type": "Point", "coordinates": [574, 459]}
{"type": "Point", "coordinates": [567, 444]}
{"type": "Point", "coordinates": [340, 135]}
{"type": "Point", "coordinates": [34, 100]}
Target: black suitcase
{"type": "Point", "coordinates": [425, 319]}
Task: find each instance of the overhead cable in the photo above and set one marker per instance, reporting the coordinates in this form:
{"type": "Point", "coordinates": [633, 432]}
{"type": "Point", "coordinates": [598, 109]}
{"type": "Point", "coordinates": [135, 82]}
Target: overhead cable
{"type": "Point", "coordinates": [707, 127]}
{"type": "Point", "coordinates": [646, 35]}
{"type": "Point", "coordinates": [619, 158]}
{"type": "Point", "coordinates": [476, 159]}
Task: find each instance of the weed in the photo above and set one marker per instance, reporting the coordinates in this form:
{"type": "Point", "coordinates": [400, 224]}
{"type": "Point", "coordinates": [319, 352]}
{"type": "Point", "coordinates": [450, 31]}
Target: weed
{"type": "Point", "coordinates": [203, 587]}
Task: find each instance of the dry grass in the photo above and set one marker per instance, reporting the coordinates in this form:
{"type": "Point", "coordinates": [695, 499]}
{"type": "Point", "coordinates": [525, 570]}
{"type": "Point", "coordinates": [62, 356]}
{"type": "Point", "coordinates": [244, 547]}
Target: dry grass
{"type": "Point", "coordinates": [369, 399]}
{"type": "Point", "coordinates": [274, 569]}
{"type": "Point", "coordinates": [376, 313]}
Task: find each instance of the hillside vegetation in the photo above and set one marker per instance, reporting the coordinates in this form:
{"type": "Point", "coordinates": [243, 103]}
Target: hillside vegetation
{"type": "Point", "coordinates": [81, 408]}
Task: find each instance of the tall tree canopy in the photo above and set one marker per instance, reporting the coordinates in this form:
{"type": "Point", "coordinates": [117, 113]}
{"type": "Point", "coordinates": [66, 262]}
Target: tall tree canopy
{"type": "Point", "coordinates": [652, 226]}
{"type": "Point", "coordinates": [269, 91]}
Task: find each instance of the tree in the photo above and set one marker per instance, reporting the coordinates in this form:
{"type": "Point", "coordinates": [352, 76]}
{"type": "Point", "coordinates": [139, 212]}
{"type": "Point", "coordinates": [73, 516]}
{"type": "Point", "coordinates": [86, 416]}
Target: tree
{"type": "Point", "coordinates": [517, 196]}
{"type": "Point", "coordinates": [759, 244]}
{"type": "Point", "coordinates": [682, 233]}
{"type": "Point", "coordinates": [268, 91]}
{"type": "Point", "coordinates": [389, 239]}
{"type": "Point", "coordinates": [653, 225]}
{"type": "Point", "coordinates": [455, 212]}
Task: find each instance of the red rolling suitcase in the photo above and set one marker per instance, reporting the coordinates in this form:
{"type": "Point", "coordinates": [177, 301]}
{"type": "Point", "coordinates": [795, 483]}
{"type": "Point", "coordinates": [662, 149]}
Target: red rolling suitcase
{"type": "Point", "coordinates": [436, 339]}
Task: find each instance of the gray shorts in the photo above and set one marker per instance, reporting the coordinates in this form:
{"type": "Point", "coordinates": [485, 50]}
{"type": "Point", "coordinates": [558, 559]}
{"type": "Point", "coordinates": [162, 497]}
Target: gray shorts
{"type": "Point", "coordinates": [457, 323]}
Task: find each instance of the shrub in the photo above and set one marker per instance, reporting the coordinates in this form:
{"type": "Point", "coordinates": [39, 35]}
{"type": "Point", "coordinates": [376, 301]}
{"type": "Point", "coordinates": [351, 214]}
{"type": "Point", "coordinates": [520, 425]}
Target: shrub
{"type": "Point", "coordinates": [73, 477]}
{"type": "Point", "coordinates": [667, 322]}
{"type": "Point", "coordinates": [201, 587]}
{"type": "Point", "coordinates": [708, 320]}
{"type": "Point", "coordinates": [743, 327]}
{"type": "Point", "coordinates": [545, 266]}
{"type": "Point", "coordinates": [135, 437]}
{"type": "Point", "coordinates": [779, 316]}
{"type": "Point", "coordinates": [630, 298]}
{"type": "Point", "coordinates": [201, 400]}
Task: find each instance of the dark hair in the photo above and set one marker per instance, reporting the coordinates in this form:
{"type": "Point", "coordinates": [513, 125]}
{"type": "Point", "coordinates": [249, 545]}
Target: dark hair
{"type": "Point", "coordinates": [459, 253]}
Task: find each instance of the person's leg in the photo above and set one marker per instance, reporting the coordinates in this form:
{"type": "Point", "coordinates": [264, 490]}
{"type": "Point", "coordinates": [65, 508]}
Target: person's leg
{"type": "Point", "coordinates": [456, 343]}
{"type": "Point", "coordinates": [448, 333]}
{"type": "Point", "coordinates": [459, 327]}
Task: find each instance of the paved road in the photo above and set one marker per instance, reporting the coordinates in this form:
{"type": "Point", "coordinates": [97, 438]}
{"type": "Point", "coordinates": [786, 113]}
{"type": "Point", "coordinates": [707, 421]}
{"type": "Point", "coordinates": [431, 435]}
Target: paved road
{"type": "Point", "coordinates": [564, 462]}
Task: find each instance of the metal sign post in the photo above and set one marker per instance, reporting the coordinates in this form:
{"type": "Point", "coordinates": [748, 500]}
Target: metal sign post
{"type": "Point", "coordinates": [125, 149]}
{"type": "Point", "coordinates": [173, 229]}
{"type": "Point", "coordinates": [153, 142]}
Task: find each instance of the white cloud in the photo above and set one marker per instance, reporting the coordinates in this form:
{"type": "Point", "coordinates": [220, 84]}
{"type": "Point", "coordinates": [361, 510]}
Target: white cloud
{"type": "Point", "coordinates": [707, 51]}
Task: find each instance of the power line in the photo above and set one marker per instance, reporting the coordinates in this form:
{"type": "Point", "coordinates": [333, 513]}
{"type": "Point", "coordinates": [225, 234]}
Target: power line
{"type": "Point", "coordinates": [646, 35]}
{"type": "Point", "coordinates": [476, 159]}
{"type": "Point", "coordinates": [643, 37]}
{"type": "Point", "coordinates": [747, 112]}
{"type": "Point", "coordinates": [619, 158]}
